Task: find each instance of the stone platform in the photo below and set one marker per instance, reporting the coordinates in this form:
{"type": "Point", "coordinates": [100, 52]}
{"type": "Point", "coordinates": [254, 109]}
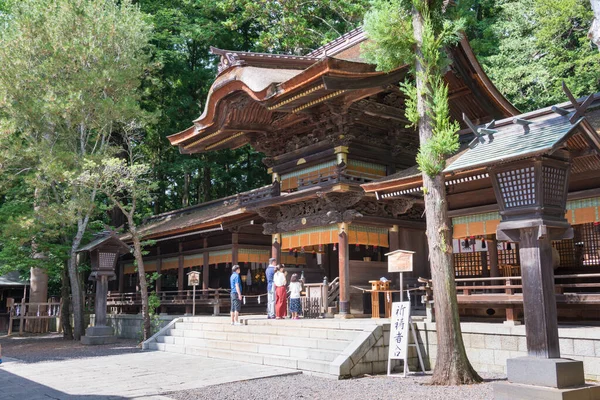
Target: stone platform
{"type": "Point", "coordinates": [333, 348]}
{"type": "Point", "coordinates": [95, 335]}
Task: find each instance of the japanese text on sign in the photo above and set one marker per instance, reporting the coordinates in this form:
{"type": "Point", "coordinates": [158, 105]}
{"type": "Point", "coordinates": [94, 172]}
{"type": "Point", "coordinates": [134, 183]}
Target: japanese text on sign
{"type": "Point", "coordinates": [399, 330]}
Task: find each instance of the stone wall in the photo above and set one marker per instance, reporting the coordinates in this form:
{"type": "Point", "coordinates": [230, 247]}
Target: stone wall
{"type": "Point", "coordinates": [129, 326]}
{"type": "Point", "coordinates": [490, 345]}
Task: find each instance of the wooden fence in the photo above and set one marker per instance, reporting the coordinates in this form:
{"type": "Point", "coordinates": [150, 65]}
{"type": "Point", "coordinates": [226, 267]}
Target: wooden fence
{"type": "Point", "coordinates": [39, 312]}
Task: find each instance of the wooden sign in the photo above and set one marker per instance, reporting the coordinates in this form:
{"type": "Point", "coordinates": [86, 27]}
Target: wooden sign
{"type": "Point", "coordinates": [193, 278]}
{"type": "Point", "coordinates": [400, 261]}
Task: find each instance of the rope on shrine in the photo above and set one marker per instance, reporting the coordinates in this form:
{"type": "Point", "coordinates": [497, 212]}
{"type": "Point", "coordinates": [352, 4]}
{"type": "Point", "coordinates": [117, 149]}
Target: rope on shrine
{"type": "Point", "coordinates": [258, 296]}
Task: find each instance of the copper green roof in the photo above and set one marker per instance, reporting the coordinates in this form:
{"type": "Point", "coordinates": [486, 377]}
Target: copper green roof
{"type": "Point", "coordinates": [515, 141]}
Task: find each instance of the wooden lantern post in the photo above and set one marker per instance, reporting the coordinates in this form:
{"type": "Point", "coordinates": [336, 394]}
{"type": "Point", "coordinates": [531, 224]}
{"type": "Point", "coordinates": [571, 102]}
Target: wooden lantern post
{"type": "Point", "coordinates": [532, 197]}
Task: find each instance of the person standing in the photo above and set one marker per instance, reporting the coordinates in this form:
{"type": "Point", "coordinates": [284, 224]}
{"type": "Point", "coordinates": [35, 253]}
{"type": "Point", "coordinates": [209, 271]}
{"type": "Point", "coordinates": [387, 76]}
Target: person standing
{"type": "Point", "coordinates": [295, 289]}
{"type": "Point", "coordinates": [236, 295]}
{"type": "Point", "coordinates": [281, 293]}
{"type": "Point", "coordinates": [269, 274]}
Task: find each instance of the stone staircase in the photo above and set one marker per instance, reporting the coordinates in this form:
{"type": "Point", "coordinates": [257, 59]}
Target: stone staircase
{"type": "Point", "coordinates": [333, 348]}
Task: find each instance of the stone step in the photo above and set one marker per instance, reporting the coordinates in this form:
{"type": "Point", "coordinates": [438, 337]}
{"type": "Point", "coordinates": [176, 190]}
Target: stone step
{"type": "Point", "coordinates": [328, 353]}
{"type": "Point", "coordinates": [251, 340]}
{"type": "Point", "coordinates": [273, 329]}
{"type": "Point", "coordinates": [318, 366]}
{"type": "Point", "coordinates": [251, 337]}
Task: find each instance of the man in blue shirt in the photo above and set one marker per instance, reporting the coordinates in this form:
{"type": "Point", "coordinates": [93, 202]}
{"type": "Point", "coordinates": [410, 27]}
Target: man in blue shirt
{"type": "Point", "coordinates": [236, 295]}
{"type": "Point", "coordinates": [269, 274]}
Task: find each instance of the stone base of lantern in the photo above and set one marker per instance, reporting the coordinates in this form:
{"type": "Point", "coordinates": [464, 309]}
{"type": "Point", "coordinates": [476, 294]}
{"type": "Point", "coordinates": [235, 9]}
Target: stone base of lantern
{"type": "Point", "coordinates": [96, 335]}
{"type": "Point", "coordinates": [545, 378]}
{"type": "Point", "coordinates": [517, 391]}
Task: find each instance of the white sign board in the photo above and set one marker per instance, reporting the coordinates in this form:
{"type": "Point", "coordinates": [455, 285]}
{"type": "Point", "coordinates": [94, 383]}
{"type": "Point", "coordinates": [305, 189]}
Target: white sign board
{"type": "Point", "coordinates": [400, 321]}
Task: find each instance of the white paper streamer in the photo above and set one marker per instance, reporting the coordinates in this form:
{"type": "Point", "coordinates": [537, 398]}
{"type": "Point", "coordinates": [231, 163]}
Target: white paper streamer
{"type": "Point", "coordinates": [258, 299]}
{"type": "Point", "coordinates": [388, 297]}
{"type": "Point", "coordinates": [244, 300]}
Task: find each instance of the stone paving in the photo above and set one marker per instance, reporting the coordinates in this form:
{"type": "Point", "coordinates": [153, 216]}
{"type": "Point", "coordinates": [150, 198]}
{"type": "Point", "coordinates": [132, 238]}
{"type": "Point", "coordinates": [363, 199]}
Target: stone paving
{"type": "Point", "coordinates": [145, 375]}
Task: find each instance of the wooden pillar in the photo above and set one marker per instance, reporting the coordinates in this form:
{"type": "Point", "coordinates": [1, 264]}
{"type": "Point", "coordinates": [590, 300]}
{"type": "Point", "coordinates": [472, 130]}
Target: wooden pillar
{"type": "Point", "coordinates": [344, 257]}
{"type": "Point", "coordinates": [205, 267]}
{"type": "Point", "coordinates": [492, 246]}
{"type": "Point", "coordinates": [276, 247]}
{"type": "Point", "coordinates": [158, 271]}
{"type": "Point", "coordinates": [485, 271]}
{"type": "Point", "coordinates": [539, 300]}
{"type": "Point", "coordinates": [234, 248]}
{"type": "Point", "coordinates": [394, 236]}
{"type": "Point", "coordinates": [121, 276]}
{"type": "Point", "coordinates": [180, 269]}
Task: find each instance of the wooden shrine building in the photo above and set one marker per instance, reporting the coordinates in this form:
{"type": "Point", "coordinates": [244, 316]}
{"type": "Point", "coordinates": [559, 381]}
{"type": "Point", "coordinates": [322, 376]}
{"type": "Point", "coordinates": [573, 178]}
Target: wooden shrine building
{"type": "Point", "coordinates": [488, 271]}
{"type": "Point", "coordinates": [327, 123]}
{"type": "Point", "coordinates": [345, 189]}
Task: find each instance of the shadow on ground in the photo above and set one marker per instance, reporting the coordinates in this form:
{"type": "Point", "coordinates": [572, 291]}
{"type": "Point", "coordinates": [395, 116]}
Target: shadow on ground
{"type": "Point", "coordinates": [15, 387]}
{"type": "Point", "coordinates": [52, 347]}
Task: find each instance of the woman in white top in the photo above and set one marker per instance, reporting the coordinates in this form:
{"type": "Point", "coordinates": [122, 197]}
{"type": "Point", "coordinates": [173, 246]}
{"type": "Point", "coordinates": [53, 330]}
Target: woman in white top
{"type": "Point", "coordinates": [295, 289]}
{"type": "Point", "coordinates": [281, 303]}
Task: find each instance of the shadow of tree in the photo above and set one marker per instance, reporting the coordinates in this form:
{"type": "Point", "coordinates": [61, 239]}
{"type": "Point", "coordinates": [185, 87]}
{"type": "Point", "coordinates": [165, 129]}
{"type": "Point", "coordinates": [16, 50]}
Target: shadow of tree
{"type": "Point", "coordinates": [17, 387]}
{"type": "Point", "coordinates": [52, 347]}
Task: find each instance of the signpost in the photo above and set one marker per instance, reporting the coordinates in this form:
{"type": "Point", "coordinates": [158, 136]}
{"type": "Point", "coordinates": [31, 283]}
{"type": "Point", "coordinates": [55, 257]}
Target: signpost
{"type": "Point", "coordinates": [193, 281]}
{"type": "Point", "coordinates": [400, 261]}
{"type": "Point", "coordinates": [400, 322]}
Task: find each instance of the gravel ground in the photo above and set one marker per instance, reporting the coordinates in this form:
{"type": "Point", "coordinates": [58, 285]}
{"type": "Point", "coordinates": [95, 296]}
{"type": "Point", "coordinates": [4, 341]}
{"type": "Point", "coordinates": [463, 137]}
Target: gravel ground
{"type": "Point", "coordinates": [52, 347]}
{"type": "Point", "coordinates": [312, 387]}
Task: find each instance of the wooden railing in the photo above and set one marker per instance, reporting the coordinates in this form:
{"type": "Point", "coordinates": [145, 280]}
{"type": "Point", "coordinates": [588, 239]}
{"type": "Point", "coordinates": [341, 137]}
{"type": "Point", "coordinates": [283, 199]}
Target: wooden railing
{"type": "Point", "coordinates": [507, 292]}
{"type": "Point", "coordinates": [204, 297]}
{"type": "Point", "coordinates": [32, 311]}
{"type": "Point", "coordinates": [259, 194]}
{"type": "Point", "coordinates": [340, 175]}
{"type": "Point", "coordinates": [333, 292]}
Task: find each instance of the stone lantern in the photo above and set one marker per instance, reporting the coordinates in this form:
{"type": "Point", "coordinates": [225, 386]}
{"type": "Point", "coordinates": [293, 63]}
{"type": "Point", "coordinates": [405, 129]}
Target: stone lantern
{"type": "Point", "coordinates": [104, 253]}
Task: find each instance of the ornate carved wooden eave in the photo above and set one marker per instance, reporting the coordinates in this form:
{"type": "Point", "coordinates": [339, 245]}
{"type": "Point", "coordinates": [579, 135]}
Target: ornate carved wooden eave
{"type": "Point", "coordinates": [332, 208]}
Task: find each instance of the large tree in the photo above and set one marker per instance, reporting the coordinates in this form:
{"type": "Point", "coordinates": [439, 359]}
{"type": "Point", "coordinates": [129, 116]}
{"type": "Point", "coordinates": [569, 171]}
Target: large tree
{"type": "Point", "coordinates": [127, 183]}
{"type": "Point", "coordinates": [416, 33]}
{"type": "Point", "coordinates": [69, 78]}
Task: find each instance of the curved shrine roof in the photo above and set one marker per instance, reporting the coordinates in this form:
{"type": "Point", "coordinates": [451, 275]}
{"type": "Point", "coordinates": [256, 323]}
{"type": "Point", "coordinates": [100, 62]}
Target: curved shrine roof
{"type": "Point", "coordinates": [251, 87]}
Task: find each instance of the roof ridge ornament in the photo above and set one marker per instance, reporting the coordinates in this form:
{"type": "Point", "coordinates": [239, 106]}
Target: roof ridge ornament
{"type": "Point", "coordinates": [481, 131]}
{"type": "Point", "coordinates": [579, 108]}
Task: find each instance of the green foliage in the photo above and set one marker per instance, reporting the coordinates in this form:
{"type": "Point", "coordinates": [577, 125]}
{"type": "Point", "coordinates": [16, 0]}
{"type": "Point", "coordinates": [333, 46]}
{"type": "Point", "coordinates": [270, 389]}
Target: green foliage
{"type": "Point", "coordinates": [294, 26]}
{"type": "Point", "coordinates": [176, 88]}
{"type": "Point", "coordinates": [528, 47]}
{"type": "Point", "coordinates": [69, 80]}
{"type": "Point", "coordinates": [389, 26]}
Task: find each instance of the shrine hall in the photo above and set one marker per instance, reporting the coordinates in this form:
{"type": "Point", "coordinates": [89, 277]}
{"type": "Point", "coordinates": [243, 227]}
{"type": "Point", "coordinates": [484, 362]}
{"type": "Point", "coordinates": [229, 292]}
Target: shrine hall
{"type": "Point", "coordinates": [345, 189]}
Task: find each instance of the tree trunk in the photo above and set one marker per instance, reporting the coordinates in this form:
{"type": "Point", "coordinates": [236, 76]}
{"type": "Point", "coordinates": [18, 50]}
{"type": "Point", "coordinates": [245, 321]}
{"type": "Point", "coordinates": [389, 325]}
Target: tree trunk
{"type": "Point", "coordinates": [65, 308]}
{"type": "Point", "coordinates": [452, 367]}
{"type": "Point", "coordinates": [594, 32]}
{"type": "Point", "coordinates": [76, 292]}
{"type": "Point", "coordinates": [185, 200]}
{"type": "Point", "coordinates": [206, 184]}
{"type": "Point", "coordinates": [137, 253]}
